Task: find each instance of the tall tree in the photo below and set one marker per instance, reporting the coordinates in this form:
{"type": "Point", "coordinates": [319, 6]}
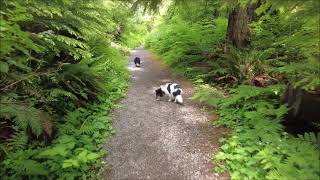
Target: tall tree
{"type": "Point", "coordinates": [238, 25]}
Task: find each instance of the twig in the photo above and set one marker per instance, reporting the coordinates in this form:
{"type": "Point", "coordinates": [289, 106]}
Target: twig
{"type": "Point", "coordinates": [39, 74]}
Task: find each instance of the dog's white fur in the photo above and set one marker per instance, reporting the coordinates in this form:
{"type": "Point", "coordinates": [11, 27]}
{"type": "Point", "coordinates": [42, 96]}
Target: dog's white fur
{"type": "Point", "coordinates": [178, 98]}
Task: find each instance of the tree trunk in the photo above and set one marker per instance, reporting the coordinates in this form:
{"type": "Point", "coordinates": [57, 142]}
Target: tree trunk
{"type": "Point", "coordinates": [238, 32]}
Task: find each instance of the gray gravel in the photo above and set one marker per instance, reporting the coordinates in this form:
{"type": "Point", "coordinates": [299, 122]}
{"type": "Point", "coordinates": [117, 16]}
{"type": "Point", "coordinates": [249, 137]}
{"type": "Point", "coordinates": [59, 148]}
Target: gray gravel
{"type": "Point", "coordinates": [160, 139]}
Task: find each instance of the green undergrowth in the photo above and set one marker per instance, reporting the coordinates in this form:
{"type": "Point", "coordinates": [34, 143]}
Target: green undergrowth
{"type": "Point", "coordinates": [62, 70]}
{"type": "Point", "coordinates": [187, 46]}
{"type": "Point", "coordinates": [245, 85]}
{"type": "Point", "coordinates": [258, 146]}
{"type": "Point", "coordinates": [77, 148]}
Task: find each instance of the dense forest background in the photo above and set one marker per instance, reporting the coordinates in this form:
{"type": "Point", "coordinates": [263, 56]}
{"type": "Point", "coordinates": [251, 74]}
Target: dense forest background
{"type": "Point", "coordinates": [63, 68]}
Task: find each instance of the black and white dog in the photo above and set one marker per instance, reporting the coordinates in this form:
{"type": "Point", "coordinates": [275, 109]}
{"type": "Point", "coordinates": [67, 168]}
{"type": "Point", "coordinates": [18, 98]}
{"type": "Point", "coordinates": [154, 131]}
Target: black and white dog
{"type": "Point", "coordinates": [137, 61]}
{"type": "Point", "coordinates": [172, 90]}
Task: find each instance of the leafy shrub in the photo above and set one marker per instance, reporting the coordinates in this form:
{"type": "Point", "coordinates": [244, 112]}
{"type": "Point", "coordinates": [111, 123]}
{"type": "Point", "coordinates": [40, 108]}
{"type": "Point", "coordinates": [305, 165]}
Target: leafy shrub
{"type": "Point", "coordinates": [258, 147]}
{"type": "Point", "coordinates": [292, 29]}
{"type": "Point", "coordinates": [282, 48]}
{"type": "Point", "coordinates": [60, 77]}
{"type": "Point", "coordinates": [78, 145]}
{"type": "Point", "coordinates": [182, 43]}
{"type": "Point", "coordinates": [74, 151]}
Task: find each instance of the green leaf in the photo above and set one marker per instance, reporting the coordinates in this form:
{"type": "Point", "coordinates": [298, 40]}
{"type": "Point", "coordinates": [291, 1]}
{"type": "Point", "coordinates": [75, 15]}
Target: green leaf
{"type": "Point", "coordinates": [4, 67]}
{"type": "Point", "coordinates": [32, 167]}
{"type": "Point", "coordinates": [60, 149]}
{"type": "Point", "coordinates": [70, 163]}
{"type": "Point", "coordinates": [92, 156]}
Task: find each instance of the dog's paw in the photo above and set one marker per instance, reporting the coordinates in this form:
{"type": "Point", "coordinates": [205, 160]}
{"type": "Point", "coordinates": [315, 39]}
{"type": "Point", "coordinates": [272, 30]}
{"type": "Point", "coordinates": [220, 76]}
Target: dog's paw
{"type": "Point", "coordinates": [169, 100]}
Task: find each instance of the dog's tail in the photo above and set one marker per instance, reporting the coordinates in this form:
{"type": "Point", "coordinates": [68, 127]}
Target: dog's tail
{"type": "Point", "coordinates": [179, 99]}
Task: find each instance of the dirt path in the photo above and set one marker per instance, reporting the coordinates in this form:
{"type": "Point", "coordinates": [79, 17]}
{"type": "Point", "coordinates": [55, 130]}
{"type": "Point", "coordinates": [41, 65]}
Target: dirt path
{"type": "Point", "coordinates": [160, 139]}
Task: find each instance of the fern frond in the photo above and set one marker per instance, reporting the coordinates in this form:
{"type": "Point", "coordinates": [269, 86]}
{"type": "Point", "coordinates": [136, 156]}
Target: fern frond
{"type": "Point", "coordinates": [18, 141]}
{"type": "Point", "coordinates": [53, 94]}
{"type": "Point", "coordinates": [24, 116]}
{"type": "Point", "coordinates": [311, 137]}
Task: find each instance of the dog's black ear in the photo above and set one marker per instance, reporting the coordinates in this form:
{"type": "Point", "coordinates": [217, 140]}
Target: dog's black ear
{"type": "Point", "coordinates": [159, 92]}
{"type": "Point", "coordinates": [176, 93]}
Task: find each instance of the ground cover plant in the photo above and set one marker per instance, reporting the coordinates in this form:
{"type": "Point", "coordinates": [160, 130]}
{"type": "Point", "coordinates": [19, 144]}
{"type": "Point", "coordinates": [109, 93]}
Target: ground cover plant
{"type": "Point", "coordinates": [63, 68]}
{"type": "Point", "coordinates": [249, 60]}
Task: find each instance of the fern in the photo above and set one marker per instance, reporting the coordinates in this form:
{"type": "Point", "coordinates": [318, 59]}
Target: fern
{"type": "Point", "coordinates": [311, 138]}
{"type": "Point", "coordinates": [22, 165]}
{"type": "Point", "coordinates": [24, 116]}
{"type": "Point", "coordinates": [61, 149]}
{"type": "Point", "coordinates": [53, 94]}
{"type": "Point", "coordinates": [259, 139]}
{"type": "Point", "coordinates": [31, 167]}
{"type": "Point", "coordinates": [207, 94]}
{"type": "Point", "coordinates": [59, 77]}
{"type": "Point", "coordinates": [303, 75]}
{"type": "Point", "coordinates": [246, 93]}
{"type": "Point", "coordinates": [19, 141]}
{"type": "Point", "coordinates": [258, 148]}
{"type": "Point", "coordinates": [294, 158]}
{"type": "Point", "coordinates": [282, 48]}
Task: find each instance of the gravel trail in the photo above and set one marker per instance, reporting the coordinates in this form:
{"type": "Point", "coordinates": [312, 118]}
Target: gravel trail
{"type": "Point", "coordinates": [160, 139]}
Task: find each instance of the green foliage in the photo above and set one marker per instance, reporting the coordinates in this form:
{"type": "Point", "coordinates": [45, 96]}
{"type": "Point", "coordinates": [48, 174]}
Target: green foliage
{"type": "Point", "coordinates": [304, 75]}
{"type": "Point", "coordinates": [245, 65]}
{"type": "Point", "coordinates": [294, 158]}
{"type": "Point", "coordinates": [137, 29]}
{"type": "Point", "coordinates": [23, 116]}
{"type": "Point", "coordinates": [76, 149]}
{"type": "Point", "coordinates": [283, 48]}
{"type": "Point", "coordinates": [258, 147]}
{"type": "Point", "coordinates": [187, 37]}
{"type": "Point", "coordinates": [207, 94]}
{"type": "Point", "coordinates": [60, 78]}
{"type": "Point", "coordinates": [61, 67]}
{"type": "Point", "coordinates": [179, 40]}
{"type": "Point", "coordinates": [291, 27]}
{"type": "Point", "coordinates": [283, 43]}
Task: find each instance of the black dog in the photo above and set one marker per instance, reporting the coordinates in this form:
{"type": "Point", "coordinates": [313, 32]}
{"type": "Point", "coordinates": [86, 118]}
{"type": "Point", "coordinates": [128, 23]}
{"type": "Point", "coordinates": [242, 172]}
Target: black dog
{"type": "Point", "coordinates": [137, 61]}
